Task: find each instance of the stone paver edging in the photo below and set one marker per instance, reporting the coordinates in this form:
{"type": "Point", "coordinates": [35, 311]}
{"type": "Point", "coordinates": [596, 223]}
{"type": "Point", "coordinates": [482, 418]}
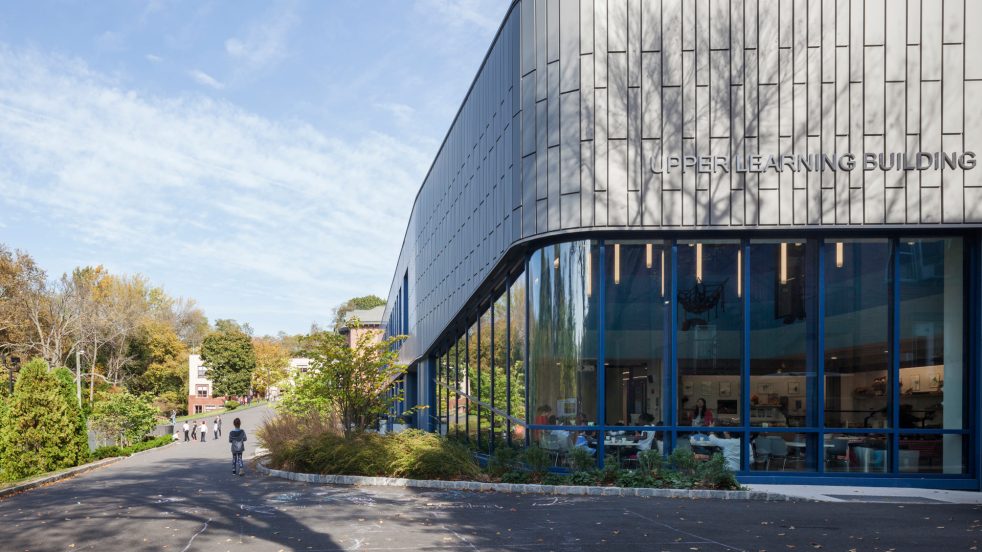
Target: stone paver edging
{"type": "Point", "coordinates": [70, 472]}
{"type": "Point", "coordinates": [576, 490]}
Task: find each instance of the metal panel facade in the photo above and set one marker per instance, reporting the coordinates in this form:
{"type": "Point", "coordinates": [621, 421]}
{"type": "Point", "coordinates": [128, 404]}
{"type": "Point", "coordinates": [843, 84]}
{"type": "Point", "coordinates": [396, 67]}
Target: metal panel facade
{"type": "Point", "coordinates": [599, 88]}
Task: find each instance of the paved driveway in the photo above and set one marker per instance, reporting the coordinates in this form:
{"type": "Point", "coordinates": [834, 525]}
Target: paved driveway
{"type": "Point", "coordinates": [184, 498]}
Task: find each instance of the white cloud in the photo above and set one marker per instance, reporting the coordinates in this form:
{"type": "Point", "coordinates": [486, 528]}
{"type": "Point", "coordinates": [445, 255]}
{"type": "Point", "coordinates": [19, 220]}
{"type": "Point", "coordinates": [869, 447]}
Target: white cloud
{"type": "Point", "coordinates": [204, 78]}
{"type": "Point", "coordinates": [465, 12]}
{"type": "Point", "coordinates": [153, 58]}
{"type": "Point", "coordinates": [210, 193]}
{"type": "Point", "coordinates": [402, 113]}
{"type": "Point", "coordinates": [263, 43]}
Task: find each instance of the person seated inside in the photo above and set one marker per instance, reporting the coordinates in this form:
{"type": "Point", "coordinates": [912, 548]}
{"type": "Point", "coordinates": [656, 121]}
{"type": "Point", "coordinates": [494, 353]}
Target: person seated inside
{"type": "Point", "coordinates": [702, 416]}
{"type": "Point", "coordinates": [729, 447]}
{"type": "Point", "coordinates": [555, 438]}
{"type": "Point", "coordinates": [542, 415]}
{"type": "Point", "coordinates": [647, 440]}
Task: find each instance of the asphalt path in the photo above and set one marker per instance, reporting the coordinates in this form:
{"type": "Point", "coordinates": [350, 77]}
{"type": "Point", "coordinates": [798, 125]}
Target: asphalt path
{"type": "Point", "coordinates": [184, 498]}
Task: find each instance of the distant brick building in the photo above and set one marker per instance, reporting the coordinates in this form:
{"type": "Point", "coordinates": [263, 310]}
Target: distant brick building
{"type": "Point", "coordinates": [370, 321]}
{"type": "Point", "coordinates": [200, 397]}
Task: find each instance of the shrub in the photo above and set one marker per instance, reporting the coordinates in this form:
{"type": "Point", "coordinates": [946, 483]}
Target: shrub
{"type": "Point", "coordinates": [42, 428]}
{"type": "Point", "coordinates": [590, 477]}
{"type": "Point", "coordinates": [114, 450]}
{"type": "Point", "coordinates": [502, 461]}
{"type": "Point", "coordinates": [231, 405]}
{"type": "Point", "coordinates": [632, 478]}
{"type": "Point", "coordinates": [516, 477]}
{"type": "Point", "coordinates": [537, 459]}
{"type": "Point", "coordinates": [107, 452]}
{"type": "Point", "coordinates": [714, 474]}
{"type": "Point", "coordinates": [651, 462]}
{"type": "Point", "coordinates": [124, 418]}
{"type": "Point", "coordinates": [609, 474]}
{"type": "Point", "coordinates": [554, 479]}
{"type": "Point", "coordinates": [683, 460]}
{"type": "Point", "coordinates": [581, 459]}
{"type": "Point", "coordinates": [312, 444]}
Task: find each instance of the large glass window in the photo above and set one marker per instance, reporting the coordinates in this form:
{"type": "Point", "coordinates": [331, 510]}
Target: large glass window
{"type": "Point", "coordinates": [563, 318]}
{"type": "Point", "coordinates": [471, 385]}
{"type": "Point", "coordinates": [781, 378]}
{"type": "Point", "coordinates": [635, 320]}
{"type": "Point", "coordinates": [483, 351]}
{"type": "Point", "coordinates": [441, 395]}
{"type": "Point", "coordinates": [516, 360]}
{"type": "Point", "coordinates": [857, 325]}
{"type": "Point", "coordinates": [710, 331]}
{"type": "Point", "coordinates": [460, 383]}
{"type": "Point", "coordinates": [932, 368]}
{"type": "Point", "coordinates": [499, 369]}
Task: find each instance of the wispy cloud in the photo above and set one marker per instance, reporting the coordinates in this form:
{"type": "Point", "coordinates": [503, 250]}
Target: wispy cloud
{"type": "Point", "coordinates": [201, 189]}
{"type": "Point", "coordinates": [464, 12]}
{"type": "Point", "coordinates": [263, 43]}
{"type": "Point", "coordinates": [153, 58]}
{"type": "Point", "coordinates": [204, 78]}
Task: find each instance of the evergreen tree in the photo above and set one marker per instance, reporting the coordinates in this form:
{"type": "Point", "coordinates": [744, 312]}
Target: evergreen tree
{"type": "Point", "coordinates": [43, 428]}
{"type": "Point", "coordinates": [230, 359]}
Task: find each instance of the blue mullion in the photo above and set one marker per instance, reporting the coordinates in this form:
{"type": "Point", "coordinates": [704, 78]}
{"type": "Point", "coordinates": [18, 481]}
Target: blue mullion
{"type": "Point", "coordinates": [601, 352]}
{"type": "Point", "coordinates": [819, 351]}
{"type": "Point", "coordinates": [894, 332]}
{"type": "Point", "coordinates": [745, 355]}
{"type": "Point", "coordinates": [525, 349]}
{"type": "Point", "coordinates": [672, 350]}
{"type": "Point", "coordinates": [972, 381]}
{"type": "Point", "coordinates": [508, 283]}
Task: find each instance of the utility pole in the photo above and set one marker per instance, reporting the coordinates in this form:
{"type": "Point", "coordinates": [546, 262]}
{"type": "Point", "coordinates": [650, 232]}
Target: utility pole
{"type": "Point", "coordinates": [78, 375]}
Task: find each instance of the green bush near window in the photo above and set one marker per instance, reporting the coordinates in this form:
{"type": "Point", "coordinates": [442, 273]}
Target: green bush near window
{"type": "Point", "coordinates": [231, 405]}
{"type": "Point", "coordinates": [315, 444]}
{"type": "Point", "coordinates": [311, 445]}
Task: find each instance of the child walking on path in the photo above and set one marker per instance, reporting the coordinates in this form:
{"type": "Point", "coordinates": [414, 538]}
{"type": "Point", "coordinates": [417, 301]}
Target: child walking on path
{"type": "Point", "coordinates": [238, 439]}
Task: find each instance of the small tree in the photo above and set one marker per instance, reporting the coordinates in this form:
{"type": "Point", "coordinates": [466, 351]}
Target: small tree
{"type": "Point", "coordinates": [351, 383]}
{"type": "Point", "coordinates": [124, 418]}
{"type": "Point", "coordinates": [272, 362]}
{"type": "Point", "coordinates": [43, 427]}
{"type": "Point", "coordinates": [230, 359]}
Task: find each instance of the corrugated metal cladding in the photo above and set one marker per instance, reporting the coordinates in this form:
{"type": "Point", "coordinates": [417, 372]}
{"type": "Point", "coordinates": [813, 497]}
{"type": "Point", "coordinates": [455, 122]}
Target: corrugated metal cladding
{"type": "Point", "coordinates": [575, 96]}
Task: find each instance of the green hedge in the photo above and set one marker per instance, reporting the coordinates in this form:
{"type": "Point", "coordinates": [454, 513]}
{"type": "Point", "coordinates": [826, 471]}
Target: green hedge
{"type": "Point", "coordinates": [112, 450]}
{"type": "Point", "coordinates": [413, 454]}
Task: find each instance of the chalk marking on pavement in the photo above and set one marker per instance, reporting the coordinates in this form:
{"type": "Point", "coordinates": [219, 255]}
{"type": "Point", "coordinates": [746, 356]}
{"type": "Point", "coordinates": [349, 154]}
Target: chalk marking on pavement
{"type": "Point", "coordinates": [555, 501]}
{"type": "Point", "coordinates": [194, 536]}
{"type": "Point", "coordinates": [693, 535]}
{"type": "Point", "coordinates": [456, 534]}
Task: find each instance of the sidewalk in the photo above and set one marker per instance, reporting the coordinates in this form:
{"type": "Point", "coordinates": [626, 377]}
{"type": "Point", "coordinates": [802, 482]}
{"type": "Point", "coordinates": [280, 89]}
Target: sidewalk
{"type": "Point", "coordinates": [828, 493]}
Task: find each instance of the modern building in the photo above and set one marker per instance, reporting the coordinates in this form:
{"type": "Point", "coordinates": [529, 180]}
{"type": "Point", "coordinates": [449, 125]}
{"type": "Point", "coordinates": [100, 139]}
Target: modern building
{"type": "Point", "coordinates": [745, 216]}
{"type": "Point", "coordinates": [200, 393]}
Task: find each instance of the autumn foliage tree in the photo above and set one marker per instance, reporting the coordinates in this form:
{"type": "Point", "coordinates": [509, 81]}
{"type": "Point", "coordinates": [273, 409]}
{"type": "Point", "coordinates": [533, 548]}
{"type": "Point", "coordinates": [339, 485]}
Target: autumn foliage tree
{"type": "Point", "coordinates": [272, 364]}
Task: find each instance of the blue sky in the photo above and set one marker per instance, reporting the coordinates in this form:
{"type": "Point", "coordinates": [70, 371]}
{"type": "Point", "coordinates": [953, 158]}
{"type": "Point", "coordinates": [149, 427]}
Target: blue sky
{"type": "Point", "coordinates": [261, 158]}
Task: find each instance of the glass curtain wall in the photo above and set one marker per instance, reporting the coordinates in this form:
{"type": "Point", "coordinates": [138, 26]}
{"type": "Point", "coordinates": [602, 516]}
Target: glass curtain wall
{"type": "Point", "coordinates": [710, 332]}
{"type": "Point", "coordinates": [857, 353]}
{"type": "Point", "coordinates": [636, 298]}
{"type": "Point", "coordinates": [516, 362]}
{"type": "Point", "coordinates": [499, 370]}
{"type": "Point", "coordinates": [781, 308]}
{"type": "Point", "coordinates": [564, 303]}
{"type": "Point", "coordinates": [932, 369]}
{"type": "Point", "coordinates": [482, 350]}
{"type": "Point", "coordinates": [842, 356]}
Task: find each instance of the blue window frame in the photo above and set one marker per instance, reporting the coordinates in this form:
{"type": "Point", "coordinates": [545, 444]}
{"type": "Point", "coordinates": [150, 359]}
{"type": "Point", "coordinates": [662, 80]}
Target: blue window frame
{"type": "Point", "coordinates": [838, 357]}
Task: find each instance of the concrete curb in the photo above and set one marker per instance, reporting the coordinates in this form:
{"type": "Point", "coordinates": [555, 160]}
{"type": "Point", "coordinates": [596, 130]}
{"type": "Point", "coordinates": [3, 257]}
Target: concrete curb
{"type": "Point", "coordinates": [71, 472]}
{"type": "Point", "coordinates": [523, 489]}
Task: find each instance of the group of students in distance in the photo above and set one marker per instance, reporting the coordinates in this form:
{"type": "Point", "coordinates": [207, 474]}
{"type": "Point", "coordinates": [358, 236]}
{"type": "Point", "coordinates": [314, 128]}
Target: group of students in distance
{"type": "Point", "coordinates": [237, 438]}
